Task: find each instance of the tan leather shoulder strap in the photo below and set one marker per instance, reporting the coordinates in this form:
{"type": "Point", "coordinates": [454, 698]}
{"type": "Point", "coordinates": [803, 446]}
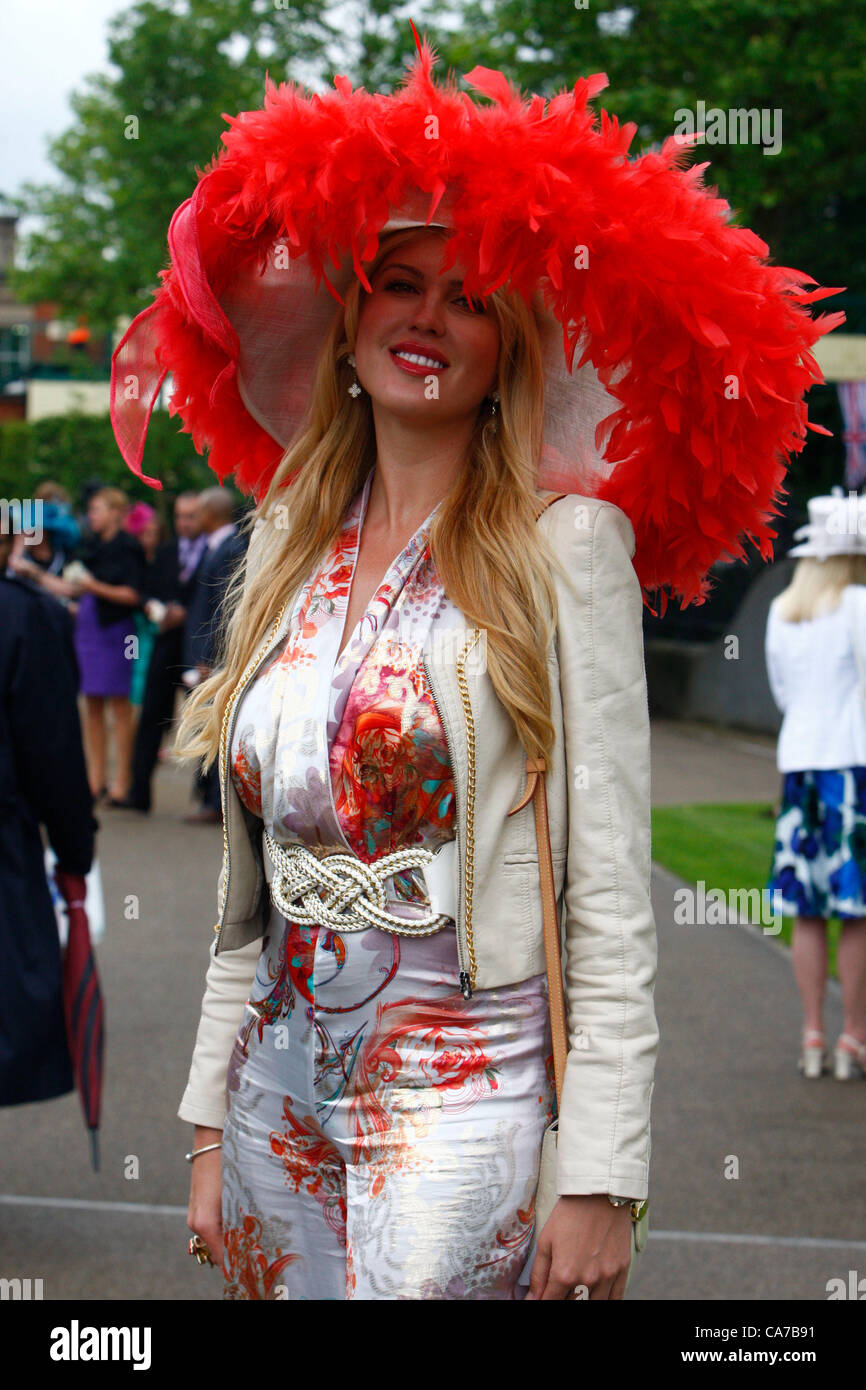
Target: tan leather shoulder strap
{"type": "Point", "coordinates": [536, 790]}
{"type": "Point", "coordinates": [544, 502]}
{"type": "Point", "coordinates": [552, 947]}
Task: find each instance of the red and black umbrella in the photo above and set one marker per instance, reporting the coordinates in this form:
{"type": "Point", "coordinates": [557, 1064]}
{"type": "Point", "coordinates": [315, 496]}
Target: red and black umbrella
{"type": "Point", "coordinates": [82, 1005]}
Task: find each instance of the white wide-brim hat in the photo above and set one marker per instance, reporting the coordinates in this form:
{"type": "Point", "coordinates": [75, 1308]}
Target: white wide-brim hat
{"type": "Point", "coordinates": [836, 526]}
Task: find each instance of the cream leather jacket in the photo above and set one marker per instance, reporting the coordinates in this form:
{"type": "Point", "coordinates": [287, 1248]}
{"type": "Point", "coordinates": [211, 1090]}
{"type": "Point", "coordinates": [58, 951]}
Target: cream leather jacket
{"type": "Point", "coordinates": [598, 792]}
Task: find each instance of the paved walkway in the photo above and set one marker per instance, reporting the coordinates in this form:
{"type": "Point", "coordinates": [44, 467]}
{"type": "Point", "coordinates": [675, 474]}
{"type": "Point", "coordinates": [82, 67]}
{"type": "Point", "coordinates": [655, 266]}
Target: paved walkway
{"type": "Point", "coordinates": [726, 1087]}
{"type": "Point", "coordinates": [694, 762]}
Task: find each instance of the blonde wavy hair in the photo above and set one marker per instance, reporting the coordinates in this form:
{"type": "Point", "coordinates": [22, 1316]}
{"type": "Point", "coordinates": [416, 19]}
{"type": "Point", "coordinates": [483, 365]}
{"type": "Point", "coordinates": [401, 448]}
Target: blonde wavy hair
{"type": "Point", "coordinates": [491, 557]}
{"type": "Point", "coordinates": [816, 586]}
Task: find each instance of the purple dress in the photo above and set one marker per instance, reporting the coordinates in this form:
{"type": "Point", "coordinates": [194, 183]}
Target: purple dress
{"type": "Point", "coordinates": [105, 654]}
{"type": "Point", "coordinates": [101, 651]}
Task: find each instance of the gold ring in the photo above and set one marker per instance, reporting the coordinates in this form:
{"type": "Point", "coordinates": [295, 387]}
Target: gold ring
{"type": "Point", "coordinates": [198, 1248]}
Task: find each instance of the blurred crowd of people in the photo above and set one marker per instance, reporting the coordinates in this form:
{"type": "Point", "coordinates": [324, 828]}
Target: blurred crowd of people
{"type": "Point", "coordinates": [143, 608]}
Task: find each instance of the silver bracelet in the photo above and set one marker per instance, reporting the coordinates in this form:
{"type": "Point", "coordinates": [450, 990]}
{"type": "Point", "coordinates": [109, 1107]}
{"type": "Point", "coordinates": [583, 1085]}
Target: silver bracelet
{"type": "Point", "coordinates": [195, 1152]}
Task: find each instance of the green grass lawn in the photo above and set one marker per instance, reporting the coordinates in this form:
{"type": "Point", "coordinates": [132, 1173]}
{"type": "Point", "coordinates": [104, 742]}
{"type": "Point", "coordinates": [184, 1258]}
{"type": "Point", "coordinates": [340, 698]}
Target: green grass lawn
{"type": "Point", "coordinates": [728, 846]}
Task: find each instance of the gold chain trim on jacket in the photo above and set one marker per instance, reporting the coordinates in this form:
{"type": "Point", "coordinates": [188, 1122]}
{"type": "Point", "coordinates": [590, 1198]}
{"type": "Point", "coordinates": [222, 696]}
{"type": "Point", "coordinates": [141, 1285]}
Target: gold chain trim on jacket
{"type": "Point", "coordinates": [469, 872]}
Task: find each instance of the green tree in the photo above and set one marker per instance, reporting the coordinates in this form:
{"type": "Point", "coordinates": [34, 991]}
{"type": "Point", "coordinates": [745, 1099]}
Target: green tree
{"type": "Point", "coordinates": [74, 449]}
{"type": "Point", "coordinates": [139, 137]}
{"type": "Point", "coordinates": [808, 201]}
{"type": "Point", "coordinates": [179, 64]}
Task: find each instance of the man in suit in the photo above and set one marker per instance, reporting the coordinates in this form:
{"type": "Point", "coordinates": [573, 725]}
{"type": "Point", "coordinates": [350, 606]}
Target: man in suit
{"type": "Point", "coordinates": [170, 589]}
{"type": "Point", "coordinates": [43, 781]}
{"type": "Point", "coordinates": [224, 551]}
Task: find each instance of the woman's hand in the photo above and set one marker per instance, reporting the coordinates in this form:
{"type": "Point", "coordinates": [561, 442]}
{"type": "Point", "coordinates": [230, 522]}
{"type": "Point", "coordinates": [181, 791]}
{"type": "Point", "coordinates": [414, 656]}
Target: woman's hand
{"type": "Point", "coordinates": [79, 580]}
{"type": "Point", "coordinates": [204, 1215]}
{"type": "Point", "coordinates": [585, 1241]}
{"type": "Point", "coordinates": [21, 564]}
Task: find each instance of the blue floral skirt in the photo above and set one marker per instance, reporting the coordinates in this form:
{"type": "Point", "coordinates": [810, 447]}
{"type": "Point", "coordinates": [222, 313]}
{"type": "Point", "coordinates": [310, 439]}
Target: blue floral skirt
{"type": "Point", "coordinates": [819, 858]}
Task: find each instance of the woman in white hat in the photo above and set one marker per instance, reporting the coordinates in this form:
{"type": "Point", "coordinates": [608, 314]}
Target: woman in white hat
{"type": "Point", "coordinates": [816, 663]}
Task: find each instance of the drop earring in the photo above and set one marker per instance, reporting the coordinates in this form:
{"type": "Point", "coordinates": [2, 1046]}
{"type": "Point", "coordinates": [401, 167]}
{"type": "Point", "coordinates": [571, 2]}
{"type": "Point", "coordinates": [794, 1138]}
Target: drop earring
{"type": "Point", "coordinates": [494, 397]}
{"type": "Point", "coordinates": [355, 388]}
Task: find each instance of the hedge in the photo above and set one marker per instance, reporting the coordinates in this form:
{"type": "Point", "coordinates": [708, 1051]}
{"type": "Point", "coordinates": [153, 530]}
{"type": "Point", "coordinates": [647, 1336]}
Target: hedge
{"type": "Point", "coordinates": [77, 449]}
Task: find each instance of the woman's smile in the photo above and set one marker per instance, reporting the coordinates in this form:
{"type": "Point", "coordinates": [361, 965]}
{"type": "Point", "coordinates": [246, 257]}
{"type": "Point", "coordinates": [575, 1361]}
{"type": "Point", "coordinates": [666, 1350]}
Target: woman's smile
{"type": "Point", "coordinates": [413, 359]}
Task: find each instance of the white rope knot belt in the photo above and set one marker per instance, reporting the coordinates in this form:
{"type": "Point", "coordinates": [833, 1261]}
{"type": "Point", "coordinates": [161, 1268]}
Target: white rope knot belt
{"type": "Point", "coordinates": [340, 891]}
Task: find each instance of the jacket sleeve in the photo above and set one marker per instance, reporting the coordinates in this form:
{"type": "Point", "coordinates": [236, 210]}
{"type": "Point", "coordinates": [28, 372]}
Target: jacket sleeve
{"type": "Point", "coordinates": [45, 732]}
{"type": "Point", "coordinates": [228, 983]}
{"type": "Point", "coordinates": [775, 666]}
{"type": "Point", "coordinates": [610, 937]}
{"type": "Point", "coordinates": [227, 986]}
{"type": "Point", "coordinates": [854, 602]}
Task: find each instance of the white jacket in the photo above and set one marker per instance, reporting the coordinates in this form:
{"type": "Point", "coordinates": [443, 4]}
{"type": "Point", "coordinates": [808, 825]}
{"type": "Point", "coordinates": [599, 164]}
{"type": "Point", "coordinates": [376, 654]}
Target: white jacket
{"type": "Point", "coordinates": [815, 679]}
{"type": "Point", "coordinates": [598, 792]}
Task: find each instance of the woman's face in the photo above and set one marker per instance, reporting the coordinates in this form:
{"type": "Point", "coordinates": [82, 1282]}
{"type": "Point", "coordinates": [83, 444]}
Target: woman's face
{"type": "Point", "coordinates": [100, 516]}
{"type": "Point", "coordinates": [149, 535]}
{"type": "Point", "coordinates": [416, 310]}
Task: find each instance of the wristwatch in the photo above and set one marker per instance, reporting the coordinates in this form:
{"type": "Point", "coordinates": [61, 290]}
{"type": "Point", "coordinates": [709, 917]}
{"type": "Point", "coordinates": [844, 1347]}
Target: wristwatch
{"type": "Point", "coordinates": [619, 1201]}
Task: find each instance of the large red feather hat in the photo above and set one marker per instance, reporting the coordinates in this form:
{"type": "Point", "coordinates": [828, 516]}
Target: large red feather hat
{"type": "Point", "coordinates": [676, 356]}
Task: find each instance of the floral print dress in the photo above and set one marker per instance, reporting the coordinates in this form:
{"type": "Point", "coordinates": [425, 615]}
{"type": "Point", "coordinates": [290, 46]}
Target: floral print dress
{"type": "Point", "coordinates": [383, 1133]}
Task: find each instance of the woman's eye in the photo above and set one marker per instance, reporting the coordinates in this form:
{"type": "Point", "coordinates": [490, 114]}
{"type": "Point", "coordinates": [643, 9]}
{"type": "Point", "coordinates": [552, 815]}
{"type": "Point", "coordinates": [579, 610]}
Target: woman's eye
{"type": "Point", "coordinates": [475, 304]}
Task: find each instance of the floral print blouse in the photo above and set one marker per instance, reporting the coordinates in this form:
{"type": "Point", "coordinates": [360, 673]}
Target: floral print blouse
{"type": "Point", "coordinates": [348, 751]}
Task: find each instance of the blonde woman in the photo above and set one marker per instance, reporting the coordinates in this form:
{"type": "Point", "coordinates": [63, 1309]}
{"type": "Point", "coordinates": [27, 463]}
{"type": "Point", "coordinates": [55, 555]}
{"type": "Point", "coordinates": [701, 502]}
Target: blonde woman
{"type": "Point", "coordinates": [109, 593]}
{"type": "Point", "coordinates": [816, 662]}
{"type": "Point", "coordinates": [461, 504]}
{"type": "Point", "coordinates": [387, 1092]}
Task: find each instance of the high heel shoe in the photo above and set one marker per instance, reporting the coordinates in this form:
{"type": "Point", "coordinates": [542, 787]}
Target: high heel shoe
{"type": "Point", "coordinates": [813, 1056]}
{"type": "Point", "coordinates": [849, 1058]}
